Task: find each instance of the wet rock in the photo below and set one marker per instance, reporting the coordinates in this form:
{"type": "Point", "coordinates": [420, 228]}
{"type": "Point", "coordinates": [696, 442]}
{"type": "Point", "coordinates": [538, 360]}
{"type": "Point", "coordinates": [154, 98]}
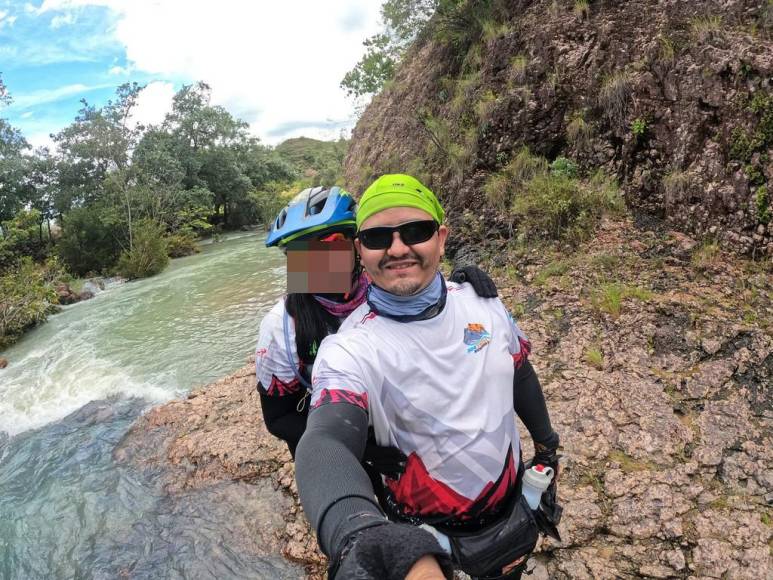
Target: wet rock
{"type": "Point", "coordinates": [3, 362]}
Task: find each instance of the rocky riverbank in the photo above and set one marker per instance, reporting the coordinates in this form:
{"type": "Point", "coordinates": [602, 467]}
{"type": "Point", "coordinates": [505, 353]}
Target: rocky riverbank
{"type": "Point", "coordinates": [656, 357]}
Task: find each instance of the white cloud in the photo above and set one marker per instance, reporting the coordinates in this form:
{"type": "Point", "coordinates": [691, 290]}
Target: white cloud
{"type": "Point", "coordinates": [34, 98]}
{"type": "Point", "coordinates": [119, 70]}
{"type": "Point", "coordinates": [272, 64]}
{"type": "Point", "coordinates": [62, 20]}
{"type": "Point", "coordinates": [26, 114]}
{"type": "Point", "coordinates": [5, 19]}
{"type": "Point", "coordinates": [154, 102]}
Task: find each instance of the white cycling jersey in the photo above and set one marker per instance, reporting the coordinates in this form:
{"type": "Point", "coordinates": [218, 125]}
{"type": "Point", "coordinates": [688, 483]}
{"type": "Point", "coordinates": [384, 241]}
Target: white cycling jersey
{"type": "Point", "coordinates": [272, 363]}
{"type": "Point", "coordinates": [441, 390]}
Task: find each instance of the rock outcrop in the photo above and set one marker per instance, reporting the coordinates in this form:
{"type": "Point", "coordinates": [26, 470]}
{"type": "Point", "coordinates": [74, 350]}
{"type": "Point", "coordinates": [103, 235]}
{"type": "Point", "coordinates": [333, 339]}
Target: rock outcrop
{"type": "Point", "coordinates": [672, 97]}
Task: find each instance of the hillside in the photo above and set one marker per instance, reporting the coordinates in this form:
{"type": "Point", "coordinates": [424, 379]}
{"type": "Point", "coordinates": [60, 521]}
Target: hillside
{"type": "Point", "coordinates": [671, 98]}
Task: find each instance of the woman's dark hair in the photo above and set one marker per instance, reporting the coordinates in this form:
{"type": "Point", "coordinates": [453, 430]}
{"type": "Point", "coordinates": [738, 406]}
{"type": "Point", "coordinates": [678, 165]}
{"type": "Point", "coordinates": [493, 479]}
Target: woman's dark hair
{"type": "Point", "coordinates": [312, 324]}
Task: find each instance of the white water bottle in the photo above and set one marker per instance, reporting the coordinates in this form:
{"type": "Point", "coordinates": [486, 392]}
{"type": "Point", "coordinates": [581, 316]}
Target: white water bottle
{"type": "Point", "coordinates": [536, 480]}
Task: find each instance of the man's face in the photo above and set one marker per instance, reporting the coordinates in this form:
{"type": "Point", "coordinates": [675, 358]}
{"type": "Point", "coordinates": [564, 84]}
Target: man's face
{"type": "Point", "coordinates": [402, 269]}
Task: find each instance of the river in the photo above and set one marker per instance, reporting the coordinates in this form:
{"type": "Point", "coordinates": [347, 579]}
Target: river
{"type": "Point", "coordinates": [73, 388]}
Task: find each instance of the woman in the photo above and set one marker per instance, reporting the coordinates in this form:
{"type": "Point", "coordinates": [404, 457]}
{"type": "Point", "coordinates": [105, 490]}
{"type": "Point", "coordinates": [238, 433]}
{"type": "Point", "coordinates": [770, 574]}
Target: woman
{"type": "Point", "coordinates": [292, 330]}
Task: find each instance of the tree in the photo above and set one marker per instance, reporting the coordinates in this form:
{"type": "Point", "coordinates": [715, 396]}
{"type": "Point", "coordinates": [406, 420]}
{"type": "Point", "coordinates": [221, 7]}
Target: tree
{"type": "Point", "coordinates": [12, 164]}
{"type": "Point", "coordinates": [403, 21]}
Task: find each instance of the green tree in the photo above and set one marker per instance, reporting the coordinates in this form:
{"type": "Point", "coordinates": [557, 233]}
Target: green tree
{"type": "Point", "coordinates": [403, 21]}
{"type": "Point", "coordinates": [12, 163]}
{"type": "Point", "coordinates": [148, 255]}
{"type": "Point", "coordinates": [26, 297]}
{"type": "Point", "coordinates": [88, 243]}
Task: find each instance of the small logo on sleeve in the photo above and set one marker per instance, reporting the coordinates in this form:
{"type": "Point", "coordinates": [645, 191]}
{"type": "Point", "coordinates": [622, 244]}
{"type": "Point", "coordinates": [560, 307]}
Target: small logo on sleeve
{"type": "Point", "coordinates": [476, 337]}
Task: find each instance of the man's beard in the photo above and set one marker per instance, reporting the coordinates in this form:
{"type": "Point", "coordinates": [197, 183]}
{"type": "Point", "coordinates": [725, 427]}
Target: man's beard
{"type": "Point", "coordinates": [404, 287]}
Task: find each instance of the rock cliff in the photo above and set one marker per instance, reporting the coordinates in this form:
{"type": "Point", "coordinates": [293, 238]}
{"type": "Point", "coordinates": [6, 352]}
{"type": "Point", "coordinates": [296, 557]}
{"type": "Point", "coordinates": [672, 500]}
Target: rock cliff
{"type": "Point", "coordinates": [672, 97]}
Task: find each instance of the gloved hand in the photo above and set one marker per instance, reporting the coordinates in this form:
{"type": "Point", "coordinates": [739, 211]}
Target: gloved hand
{"type": "Point", "coordinates": [481, 282]}
{"type": "Point", "coordinates": [389, 461]}
{"type": "Point", "coordinates": [387, 552]}
{"type": "Point", "coordinates": [549, 514]}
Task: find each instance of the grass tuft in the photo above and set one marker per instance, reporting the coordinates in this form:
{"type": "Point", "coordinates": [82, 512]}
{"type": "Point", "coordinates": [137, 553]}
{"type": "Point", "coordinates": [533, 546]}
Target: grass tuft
{"type": "Point", "coordinates": [614, 95]}
{"type": "Point", "coordinates": [594, 357]}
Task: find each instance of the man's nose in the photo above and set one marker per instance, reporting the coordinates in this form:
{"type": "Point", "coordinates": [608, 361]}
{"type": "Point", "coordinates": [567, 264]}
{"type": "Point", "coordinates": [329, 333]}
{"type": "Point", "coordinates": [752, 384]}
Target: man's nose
{"type": "Point", "coordinates": [398, 247]}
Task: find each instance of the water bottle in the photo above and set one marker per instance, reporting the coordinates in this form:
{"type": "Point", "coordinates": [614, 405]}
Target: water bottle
{"type": "Point", "coordinates": [536, 480]}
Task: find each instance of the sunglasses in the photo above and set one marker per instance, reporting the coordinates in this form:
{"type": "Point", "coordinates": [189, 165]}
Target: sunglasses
{"type": "Point", "coordinates": [411, 233]}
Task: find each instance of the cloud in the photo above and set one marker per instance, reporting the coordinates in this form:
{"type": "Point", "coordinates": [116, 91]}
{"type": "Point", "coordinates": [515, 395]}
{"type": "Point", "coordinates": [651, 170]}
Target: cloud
{"type": "Point", "coordinates": [6, 19]}
{"type": "Point", "coordinates": [270, 64]}
{"type": "Point", "coordinates": [44, 96]}
{"type": "Point", "coordinates": [26, 114]}
{"type": "Point", "coordinates": [62, 20]}
{"type": "Point", "coordinates": [119, 70]}
{"type": "Point", "coordinates": [153, 103]}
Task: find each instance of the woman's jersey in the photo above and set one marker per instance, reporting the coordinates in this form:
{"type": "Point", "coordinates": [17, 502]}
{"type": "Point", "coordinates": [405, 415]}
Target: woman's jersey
{"type": "Point", "coordinates": [275, 374]}
{"type": "Point", "coordinates": [441, 390]}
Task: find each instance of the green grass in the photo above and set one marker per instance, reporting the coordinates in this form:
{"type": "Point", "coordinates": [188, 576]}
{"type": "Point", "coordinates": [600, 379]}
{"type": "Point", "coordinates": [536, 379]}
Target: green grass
{"type": "Point", "coordinates": [705, 28]}
{"type": "Point", "coordinates": [614, 95]}
{"type": "Point", "coordinates": [518, 66]}
{"type": "Point", "coordinates": [609, 297]}
{"type": "Point", "coordinates": [553, 269]}
{"type": "Point", "coordinates": [582, 9]}
{"type": "Point", "coordinates": [676, 185]}
{"type": "Point", "coordinates": [594, 357]}
{"type": "Point", "coordinates": [628, 464]}
{"type": "Point", "coordinates": [578, 131]}
{"type": "Point", "coordinates": [706, 256]}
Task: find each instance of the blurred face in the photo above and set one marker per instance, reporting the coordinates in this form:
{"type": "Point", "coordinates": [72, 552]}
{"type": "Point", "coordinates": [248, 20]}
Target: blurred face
{"type": "Point", "coordinates": [320, 266]}
{"type": "Point", "coordinates": [401, 268]}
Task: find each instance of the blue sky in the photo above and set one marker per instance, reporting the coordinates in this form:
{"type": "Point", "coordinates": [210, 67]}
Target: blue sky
{"type": "Point", "coordinates": [275, 65]}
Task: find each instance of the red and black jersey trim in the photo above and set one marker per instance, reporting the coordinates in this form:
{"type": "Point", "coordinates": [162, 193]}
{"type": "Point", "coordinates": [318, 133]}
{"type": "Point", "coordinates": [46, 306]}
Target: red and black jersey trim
{"type": "Point", "coordinates": [279, 388]}
{"type": "Point", "coordinates": [419, 495]}
{"type": "Point", "coordinates": [523, 353]}
{"type": "Point", "coordinates": [328, 396]}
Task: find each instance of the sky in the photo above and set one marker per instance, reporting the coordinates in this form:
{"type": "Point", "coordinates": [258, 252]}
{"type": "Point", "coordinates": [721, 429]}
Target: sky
{"type": "Point", "coordinates": [275, 65]}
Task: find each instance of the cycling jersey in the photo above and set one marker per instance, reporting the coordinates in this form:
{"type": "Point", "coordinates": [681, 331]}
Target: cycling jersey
{"type": "Point", "coordinates": [440, 390]}
{"type": "Point", "coordinates": [272, 361]}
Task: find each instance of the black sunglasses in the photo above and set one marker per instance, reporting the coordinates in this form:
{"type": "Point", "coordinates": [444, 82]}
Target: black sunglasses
{"type": "Point", "coordinates": [380, 238]}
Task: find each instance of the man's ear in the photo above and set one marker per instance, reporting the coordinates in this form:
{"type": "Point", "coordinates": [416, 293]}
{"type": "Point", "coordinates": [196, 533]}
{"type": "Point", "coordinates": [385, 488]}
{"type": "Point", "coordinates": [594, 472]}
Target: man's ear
{"type": "Point", "coordinates": [442, 234]}
{"type": "Point", "coordinates": [357, 244]}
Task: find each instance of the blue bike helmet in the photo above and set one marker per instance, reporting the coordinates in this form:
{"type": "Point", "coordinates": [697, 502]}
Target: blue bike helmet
{"type": "Point", "coordinates": [316, 210]}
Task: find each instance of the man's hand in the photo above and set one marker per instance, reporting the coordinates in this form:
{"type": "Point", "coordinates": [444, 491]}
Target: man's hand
{"type": "Point", "coordinates": [389, 461]}
{"type": "Point", "coordinates": [481, 282]}
{"type": "Point", "coordinates": [426, 568]}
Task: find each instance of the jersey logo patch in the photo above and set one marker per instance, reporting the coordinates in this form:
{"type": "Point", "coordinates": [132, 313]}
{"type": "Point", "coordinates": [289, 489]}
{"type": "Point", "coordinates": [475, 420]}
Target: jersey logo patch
{"type": "Point", "coordinates": [261, 352]}
{"type": "Point", "coordinates": [476, 337]}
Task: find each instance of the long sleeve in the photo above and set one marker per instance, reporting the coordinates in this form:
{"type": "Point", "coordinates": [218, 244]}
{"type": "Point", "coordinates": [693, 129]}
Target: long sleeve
{"type": "Point", "coordinates": [529, 405]}
{"type": "Point", "coordinates": [282, 418]}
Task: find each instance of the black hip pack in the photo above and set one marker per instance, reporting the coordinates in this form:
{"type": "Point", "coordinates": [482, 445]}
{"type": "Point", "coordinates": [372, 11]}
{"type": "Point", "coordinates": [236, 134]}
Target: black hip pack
{"type": "Point", "coordinates": [489, 550]}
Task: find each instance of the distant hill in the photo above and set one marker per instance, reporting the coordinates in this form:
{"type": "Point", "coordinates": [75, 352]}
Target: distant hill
{"type": "Point", "coordinates": [320, 160]}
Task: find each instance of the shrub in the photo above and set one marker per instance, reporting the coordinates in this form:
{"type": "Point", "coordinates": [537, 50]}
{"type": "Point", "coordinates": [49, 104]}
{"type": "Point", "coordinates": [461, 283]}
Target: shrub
{"type": "Point", "coordinates": [762, 202]}
{"type": "Point", "coordinates": [88, 243]}
{"type": "Point", "coordinates": [26, 297]}
{"type": "Point", "coordinates": [521, 168]}
{"type": "Point", "coordinates": [666, 50]}
{"type": "Point", "coordinates": [578, 131]}
{"type": "Point", "coordinates": [485, 105]}
{"type": "Point", "coordinates": [582, 9]}
{"type": "Point", "coordinates": [554, 207]}
{"type": "Point", "coordinates": [706, 28]}
{"type": "Point", "coordinates": [614, 95]}
{"type": "Point", "coordinates": [562, 166]}
{"type": "Point", "coordinates": [518, 68]}
{"type": "Point", "coordinates": [148, 255]}
{"type": "Point", "coordinates": [706, 256]}
{"type": "Point", "coordinates": [639, 128]}
{"type": "Point", "coordinates": [677, 186]}
{"type": "Point", "coordinates": [181, 244]}
{"type": "Point", "coordinates": [742, 145]}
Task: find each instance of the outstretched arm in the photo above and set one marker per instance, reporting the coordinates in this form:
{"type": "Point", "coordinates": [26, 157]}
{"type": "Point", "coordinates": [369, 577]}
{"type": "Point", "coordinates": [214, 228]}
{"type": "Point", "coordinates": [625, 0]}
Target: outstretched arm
{"type": "Point", "coordinates": [338, 499]}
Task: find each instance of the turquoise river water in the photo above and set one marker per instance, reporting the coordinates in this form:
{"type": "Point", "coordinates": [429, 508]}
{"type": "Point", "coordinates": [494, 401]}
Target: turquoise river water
{"type": "Point", "coordinates": [73, 388]}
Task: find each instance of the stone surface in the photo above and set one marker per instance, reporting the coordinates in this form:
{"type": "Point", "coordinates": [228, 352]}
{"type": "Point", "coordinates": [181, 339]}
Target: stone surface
{"type": "Point", "coordinates": [667, 467]}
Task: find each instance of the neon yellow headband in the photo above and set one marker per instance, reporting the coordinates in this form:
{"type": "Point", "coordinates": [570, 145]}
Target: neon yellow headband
{"type": "Point", "coordinates": [398, 190]}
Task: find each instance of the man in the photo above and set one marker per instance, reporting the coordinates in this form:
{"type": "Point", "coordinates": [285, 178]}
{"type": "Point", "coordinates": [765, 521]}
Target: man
{"type": "Point", "coordinates": [435, 371]}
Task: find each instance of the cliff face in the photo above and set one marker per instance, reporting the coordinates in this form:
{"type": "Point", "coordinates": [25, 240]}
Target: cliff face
{"type": "Point", "coordinates": [672, 97]}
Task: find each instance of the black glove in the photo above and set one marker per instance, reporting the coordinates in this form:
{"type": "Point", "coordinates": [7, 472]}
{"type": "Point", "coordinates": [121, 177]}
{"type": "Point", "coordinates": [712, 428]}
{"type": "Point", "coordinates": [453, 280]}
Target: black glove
{"type": "Point", "coordinates": [481, 282]}
{"type": "Point", "coordinates": [387, 552]}
{"type": "Point", "coordinates": [387, 460]}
